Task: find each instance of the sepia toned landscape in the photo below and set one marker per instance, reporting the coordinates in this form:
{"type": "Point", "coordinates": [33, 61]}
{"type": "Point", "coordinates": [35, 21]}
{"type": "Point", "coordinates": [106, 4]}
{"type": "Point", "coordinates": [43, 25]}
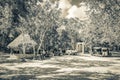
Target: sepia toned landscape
{"type": "Point", "coordinates": [59, 39]}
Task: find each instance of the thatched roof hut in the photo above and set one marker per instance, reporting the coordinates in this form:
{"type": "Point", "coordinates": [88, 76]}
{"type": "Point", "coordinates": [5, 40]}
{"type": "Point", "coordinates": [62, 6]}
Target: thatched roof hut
{"type": "Point", "coordinates": [22, 39]}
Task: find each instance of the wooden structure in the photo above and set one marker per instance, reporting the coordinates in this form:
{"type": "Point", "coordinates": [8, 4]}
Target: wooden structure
{"type": "Point", "coordinates": [22, 41]}
{"type": "Point", "coordinates": [80, 47]}
{"type": "Point", "coordinates": [105, 52]}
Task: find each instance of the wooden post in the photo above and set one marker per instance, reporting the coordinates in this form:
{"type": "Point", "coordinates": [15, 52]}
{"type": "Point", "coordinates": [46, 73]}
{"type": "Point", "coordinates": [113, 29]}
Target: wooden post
{"type": "Point", "coordinates": [11, 51]}
{"type": "Point", "coordinates": [34, 52]}
{"type": "Point", "coordinates": [23, 50]}
{"type": "Point", "coordinates": [83, 45]}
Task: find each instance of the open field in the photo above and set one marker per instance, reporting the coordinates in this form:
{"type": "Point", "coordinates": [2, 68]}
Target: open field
{"type": "Point", "coordinates": [67, 67]}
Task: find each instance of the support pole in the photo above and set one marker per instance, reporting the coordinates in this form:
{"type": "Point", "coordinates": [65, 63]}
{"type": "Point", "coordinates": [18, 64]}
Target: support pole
{"type": "Point", "coordinates": [11, 51]}
{"type": "Point", "coordinates": [83, 45]}
{"type": "Point", "coordinates": [34, 52]}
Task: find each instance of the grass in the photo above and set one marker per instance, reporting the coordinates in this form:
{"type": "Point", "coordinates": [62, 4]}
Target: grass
{"type": "Point", "coordinates": [52, 73]}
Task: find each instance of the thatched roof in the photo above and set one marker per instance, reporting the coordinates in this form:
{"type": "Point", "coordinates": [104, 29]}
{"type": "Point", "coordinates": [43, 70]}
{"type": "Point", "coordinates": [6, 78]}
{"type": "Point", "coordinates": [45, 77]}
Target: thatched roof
{"type": "Point", "coordinates": [22, 39]}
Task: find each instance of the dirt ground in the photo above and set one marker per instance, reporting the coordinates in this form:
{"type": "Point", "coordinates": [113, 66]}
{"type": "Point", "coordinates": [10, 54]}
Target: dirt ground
{"type": "Point", "coordinates": [67, 67]}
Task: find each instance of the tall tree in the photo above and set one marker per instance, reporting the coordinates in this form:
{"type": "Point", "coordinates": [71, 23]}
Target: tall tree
{"type": "Point", "coordinates": [73, 26]}
{"type": "Point", "coordinates": [5, 24]}
{"type": "Point", "coordinates": [103, 26]}
{"type": "Point", "coordinates": [42, 17]}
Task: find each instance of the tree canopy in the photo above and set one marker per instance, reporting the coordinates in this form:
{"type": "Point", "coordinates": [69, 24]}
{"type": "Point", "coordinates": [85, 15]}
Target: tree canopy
{"type": "Point", "coordinates": [41, 19]}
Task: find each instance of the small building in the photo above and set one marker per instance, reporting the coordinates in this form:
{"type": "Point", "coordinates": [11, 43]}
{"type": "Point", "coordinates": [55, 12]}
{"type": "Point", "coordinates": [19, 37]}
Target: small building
{"type": "Point", "coordinates": [22, 41]}
{"type": "Point", "coordinates": [105, 52]}
{"type": "Point", "coordinates": [101, 51]}
{"type": "Point", "coordinates": [80, 47]}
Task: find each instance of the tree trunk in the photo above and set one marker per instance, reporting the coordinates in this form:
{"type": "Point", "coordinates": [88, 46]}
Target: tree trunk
{"type": "Point", "coordinates": [40, 46]}
{"type": "Point", "coordinates": [90, 49]}
{"type": "Point", "coordinates": [41, 41]}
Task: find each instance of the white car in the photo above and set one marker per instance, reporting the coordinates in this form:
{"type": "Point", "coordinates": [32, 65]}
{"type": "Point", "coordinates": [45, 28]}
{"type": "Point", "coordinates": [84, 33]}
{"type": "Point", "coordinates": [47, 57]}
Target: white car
{"type": "Point", "coordinates": [71, 52]}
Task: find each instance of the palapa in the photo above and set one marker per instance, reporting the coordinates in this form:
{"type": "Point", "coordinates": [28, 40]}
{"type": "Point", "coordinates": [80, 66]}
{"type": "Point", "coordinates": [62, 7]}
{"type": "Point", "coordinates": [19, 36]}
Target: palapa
{"type": "Point", "coordinates": [22, 39]}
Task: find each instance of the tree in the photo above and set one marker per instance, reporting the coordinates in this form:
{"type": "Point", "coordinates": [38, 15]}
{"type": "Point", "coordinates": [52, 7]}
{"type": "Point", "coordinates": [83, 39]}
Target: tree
{"type": "Point", "coordinates": [103, 26]}
{"type": "Point", "coordinates": [5, 24]}
{"type": "Point", "coordinates": [65, 41]}
{"type": "Point", "coordinates": [73, 26]}
{"type": "Point", "coordinates": [41, 19]}
{"type": "Point", "coordinates": [51, 40]}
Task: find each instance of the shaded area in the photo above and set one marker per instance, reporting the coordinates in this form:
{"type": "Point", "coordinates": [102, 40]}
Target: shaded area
{"type": "Point", "coordinates": [63, 68]}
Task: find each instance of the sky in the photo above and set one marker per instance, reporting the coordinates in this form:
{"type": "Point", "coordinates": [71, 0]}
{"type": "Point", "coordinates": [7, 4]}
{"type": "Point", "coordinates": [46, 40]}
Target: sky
{"type": "Point", "coordinates": [73, 8]}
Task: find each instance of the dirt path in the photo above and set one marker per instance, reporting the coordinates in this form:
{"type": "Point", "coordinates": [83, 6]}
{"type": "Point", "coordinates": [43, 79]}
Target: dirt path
{"type": "Point", "coordinates": [64, 67]}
